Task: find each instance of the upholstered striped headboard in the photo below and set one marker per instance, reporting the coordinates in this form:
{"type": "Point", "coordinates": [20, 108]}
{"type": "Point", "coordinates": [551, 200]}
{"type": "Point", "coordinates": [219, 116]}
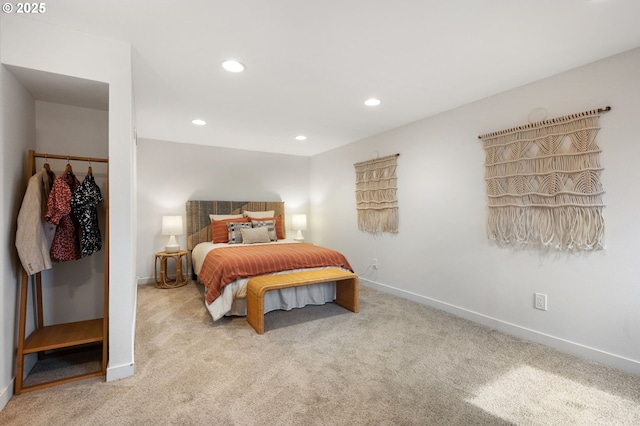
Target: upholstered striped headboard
{"type": "Point", "coordinates": [199, 224]}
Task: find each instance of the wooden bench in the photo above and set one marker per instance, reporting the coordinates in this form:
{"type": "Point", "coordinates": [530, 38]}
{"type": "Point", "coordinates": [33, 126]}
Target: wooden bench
{"type": "Point", "coordinates": [347, 290]}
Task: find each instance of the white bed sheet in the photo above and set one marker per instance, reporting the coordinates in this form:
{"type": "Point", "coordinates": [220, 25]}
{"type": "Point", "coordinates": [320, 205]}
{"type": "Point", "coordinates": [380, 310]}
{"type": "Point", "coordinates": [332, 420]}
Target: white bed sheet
{"type": "Point", "coordinates": [232, 301]}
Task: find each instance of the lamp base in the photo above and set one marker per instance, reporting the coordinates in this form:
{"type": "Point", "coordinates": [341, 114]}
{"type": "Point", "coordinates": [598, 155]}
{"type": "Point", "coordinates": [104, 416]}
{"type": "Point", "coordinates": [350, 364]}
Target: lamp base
{"type": "Point", "coordinates": [172, 245]}
{"type": "Point", "coordinates": [299, 236]}
{"type": "Point", "coordinates": [172, 249]}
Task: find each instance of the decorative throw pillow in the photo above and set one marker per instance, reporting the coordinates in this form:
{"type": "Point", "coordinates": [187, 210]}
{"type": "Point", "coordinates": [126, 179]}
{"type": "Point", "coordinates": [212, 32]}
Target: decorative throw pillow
{"type": "Point", "coordinates": [259, 215]}
{"type": "Point", "coordinates": [279, 229]}
{"type": "Point", "coordinates": [219, 230]}
{"type": "Point", "coordinates": [235, 231]}
{"type": "Point", "coordinates": [270, 226]}
{"type": "Point", "coordinates": [255, 235]}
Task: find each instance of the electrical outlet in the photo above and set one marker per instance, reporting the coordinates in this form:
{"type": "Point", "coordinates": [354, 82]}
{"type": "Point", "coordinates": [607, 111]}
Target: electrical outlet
{"type": "Point", "coordinates": [540, 301]}
{"type": "Point", "coordinates": [375, 263]}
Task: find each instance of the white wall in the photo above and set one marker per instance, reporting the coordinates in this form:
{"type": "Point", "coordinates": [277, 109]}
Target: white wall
{"type": "Point", "coordinates": [73, 291]}
{"type": "Point", "coordinates": [441, 255]}
{"type": "Point", "coordinates": [170, 174]}
{"type": "Point", "coordinates": [17, 135]}
{"type": "Point", "coordinates": [31, 44]}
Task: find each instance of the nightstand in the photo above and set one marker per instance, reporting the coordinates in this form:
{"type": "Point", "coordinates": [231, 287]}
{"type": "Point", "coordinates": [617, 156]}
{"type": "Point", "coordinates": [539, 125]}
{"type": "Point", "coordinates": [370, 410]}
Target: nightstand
{"type": "Point", "coordinates": [180, 280]}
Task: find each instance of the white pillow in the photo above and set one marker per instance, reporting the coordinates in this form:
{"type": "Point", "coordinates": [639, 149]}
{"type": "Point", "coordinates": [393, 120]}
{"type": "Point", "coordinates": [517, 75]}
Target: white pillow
{"type": "Point", "coordinates": [259, 215]}
{"type": "Point", "coordinates": [213, 217]}
{"type": "Point", "coordinates": [255, 235]}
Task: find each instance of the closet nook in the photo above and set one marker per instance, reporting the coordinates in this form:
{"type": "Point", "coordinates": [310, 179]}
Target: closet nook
{"type": "Point", "coordinates": [73, 335]}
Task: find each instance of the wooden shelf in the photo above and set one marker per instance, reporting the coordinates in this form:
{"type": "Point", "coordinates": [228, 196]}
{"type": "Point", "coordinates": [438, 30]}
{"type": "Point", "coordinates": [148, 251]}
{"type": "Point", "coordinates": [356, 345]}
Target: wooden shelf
{"type": "Point", "coordinates": [64, 335]}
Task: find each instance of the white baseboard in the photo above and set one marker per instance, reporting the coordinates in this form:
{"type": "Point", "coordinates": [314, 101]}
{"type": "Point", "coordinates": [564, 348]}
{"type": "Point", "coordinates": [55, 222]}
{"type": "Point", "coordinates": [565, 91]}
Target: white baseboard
{"type": "Point", "coordinates": [6, 394]}
{"type": "Point", "coordinates": [146, 280]}
{"type": "Point", "coordinates": [612, 360]}
{"type": "Point", "coordinates": [119, 372]}
{"type": "Point", "coordinates": [152, 280]}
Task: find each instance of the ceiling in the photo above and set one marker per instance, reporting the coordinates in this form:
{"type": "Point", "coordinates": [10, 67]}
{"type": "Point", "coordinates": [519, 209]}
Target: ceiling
{"type": "Point", "coordinates": [63, 89]}
{"type": "Point", "coordinates": [312, 64]}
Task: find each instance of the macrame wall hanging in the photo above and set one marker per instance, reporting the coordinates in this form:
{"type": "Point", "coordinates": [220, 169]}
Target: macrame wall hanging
{"type": "Point", "coordinates": [543, 183]}
{"type": "Point", "coordinates": [376, 202]}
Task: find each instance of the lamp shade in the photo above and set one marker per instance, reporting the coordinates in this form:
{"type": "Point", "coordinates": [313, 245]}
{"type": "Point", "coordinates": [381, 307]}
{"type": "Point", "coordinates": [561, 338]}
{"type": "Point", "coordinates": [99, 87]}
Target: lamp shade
{"type": "Point", "coordinates": [299, 223]}
{"type": "Point", "coordinates": [171, 225]}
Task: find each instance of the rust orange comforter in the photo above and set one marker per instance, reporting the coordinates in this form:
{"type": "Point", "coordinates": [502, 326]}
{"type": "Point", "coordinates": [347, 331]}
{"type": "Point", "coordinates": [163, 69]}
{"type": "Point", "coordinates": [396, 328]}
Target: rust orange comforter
{"type": "Point", "coordinates": [225, 265]}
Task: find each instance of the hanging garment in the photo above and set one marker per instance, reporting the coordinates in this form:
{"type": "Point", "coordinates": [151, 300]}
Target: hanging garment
{"type": "Point", "coordinates": [66, 242]}
{"type": "Point", "coordinates": [83, 204]}
{"type": "Point", "coordinates": [34, 235]}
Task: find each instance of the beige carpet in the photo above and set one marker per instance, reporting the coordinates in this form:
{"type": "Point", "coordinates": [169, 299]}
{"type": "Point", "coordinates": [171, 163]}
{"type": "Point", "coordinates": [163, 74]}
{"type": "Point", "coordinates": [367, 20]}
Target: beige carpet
{"type": "Point", "coordinates": [394, 363]}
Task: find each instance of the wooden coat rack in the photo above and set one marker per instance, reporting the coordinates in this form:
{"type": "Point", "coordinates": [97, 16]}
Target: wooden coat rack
{"type": "Point", "coordinates": [61, 336]}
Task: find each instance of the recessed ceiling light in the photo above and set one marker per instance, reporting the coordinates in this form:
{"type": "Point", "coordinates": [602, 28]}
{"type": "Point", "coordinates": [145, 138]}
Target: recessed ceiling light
{"type": "Point", "coordinates": [301, 138]}
{"type": "Point", "coordinates": [372, 102]}
{"type": "Point", "coordinates": [199, 122]}
{"type": "Point", "coordinates": [233, 66]}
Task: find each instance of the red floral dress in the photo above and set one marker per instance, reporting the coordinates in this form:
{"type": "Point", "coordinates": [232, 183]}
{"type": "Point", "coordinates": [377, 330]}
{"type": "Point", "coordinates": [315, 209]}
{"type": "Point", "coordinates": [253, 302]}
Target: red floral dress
{"type": "Point", "coordinates": [66, 242]}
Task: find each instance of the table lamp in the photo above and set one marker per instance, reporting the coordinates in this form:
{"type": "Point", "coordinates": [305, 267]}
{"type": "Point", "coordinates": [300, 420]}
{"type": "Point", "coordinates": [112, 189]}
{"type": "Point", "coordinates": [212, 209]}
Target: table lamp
{"type": "Point", "coordinates": [299, 224]}
{"type": "Point", "coordinates": [172, 225]}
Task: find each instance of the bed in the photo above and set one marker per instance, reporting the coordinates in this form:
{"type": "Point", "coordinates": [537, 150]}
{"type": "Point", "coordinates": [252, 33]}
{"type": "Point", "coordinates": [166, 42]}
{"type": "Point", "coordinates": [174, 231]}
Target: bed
{"type": "Point", "coordinates": [225, 267]}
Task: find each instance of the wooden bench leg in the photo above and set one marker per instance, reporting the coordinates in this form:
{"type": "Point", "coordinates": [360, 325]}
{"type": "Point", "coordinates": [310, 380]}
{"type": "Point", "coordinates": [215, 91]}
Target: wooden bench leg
{"type": "Point", "coordinates": [347, 293]}
{"type": "Point", "coordinates": [255, 311]}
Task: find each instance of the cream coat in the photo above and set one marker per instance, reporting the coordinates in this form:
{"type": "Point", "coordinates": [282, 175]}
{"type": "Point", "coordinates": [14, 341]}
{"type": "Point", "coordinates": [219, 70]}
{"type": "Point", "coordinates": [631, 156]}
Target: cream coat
{"type": "Point", "coordinates": [34, 235]}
